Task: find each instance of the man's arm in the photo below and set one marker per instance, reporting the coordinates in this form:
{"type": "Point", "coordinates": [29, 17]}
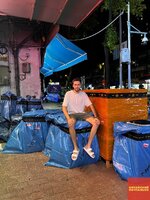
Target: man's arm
{"type": "Point", "coordinates": [69, 120]}
{"type": "Point", "coordinates": [93, 110]}
{"type": "Point", "coordinates": [64, 109]}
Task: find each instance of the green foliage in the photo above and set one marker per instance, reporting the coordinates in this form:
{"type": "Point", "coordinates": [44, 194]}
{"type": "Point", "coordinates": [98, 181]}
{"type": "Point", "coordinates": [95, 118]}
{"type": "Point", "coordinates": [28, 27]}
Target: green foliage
{"type": "Point", "coordinates": [92, 24]}
{"type": "Point", "coordinates": [137, 6]}
{"type": "Point", "coordinates": [111, 38]}
{"type": "Point", "coordinates": [116, 6]}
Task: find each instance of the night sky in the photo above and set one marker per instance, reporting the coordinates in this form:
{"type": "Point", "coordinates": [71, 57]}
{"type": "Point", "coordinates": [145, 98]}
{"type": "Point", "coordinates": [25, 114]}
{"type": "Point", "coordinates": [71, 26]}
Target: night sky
{"type": "Point", "coordinates": [94, 46]}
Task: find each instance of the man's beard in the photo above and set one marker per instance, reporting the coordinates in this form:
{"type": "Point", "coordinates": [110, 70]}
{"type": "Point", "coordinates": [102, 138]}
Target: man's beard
{"type": "Point", "coordinates": [77, 89]}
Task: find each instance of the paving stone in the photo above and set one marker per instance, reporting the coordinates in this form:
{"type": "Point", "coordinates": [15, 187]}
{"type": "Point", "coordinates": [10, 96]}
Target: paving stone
{"type": "Point", "coordinates": [24, 176]}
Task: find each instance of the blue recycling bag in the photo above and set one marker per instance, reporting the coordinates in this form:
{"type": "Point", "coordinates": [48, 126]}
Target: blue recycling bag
{"type": "Point", "coordinates": [131, 153]}
{"type": "Point", "coordinates": [55, 88]}
{"type": "Point", "coordinates": [30, 134]}
{"type": "Point", "coordinates": [21, 105]}
{"type": "Point", "coordinates": [34, 104]}
{"type": "Point", "coordinates": [8, 105]}
{"type": "Point", "coordinates": [53, 97]}
{"type": "Point", "coordinates": [59, 147]}
{"type": "Point", "coordinates": [4, 130]}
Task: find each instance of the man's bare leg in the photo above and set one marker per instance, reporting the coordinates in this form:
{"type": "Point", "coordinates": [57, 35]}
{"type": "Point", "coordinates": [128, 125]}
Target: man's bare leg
{"type": "Point", "coordinates": [95, 124]}
{"type": "Point", "coordinates": [73, 137]}
{"type": "Point", "coordinates": [72, 132]}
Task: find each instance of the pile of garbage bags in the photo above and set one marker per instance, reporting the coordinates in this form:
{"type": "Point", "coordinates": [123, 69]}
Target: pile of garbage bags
{"type": "Point", "coordinates": [53, 93]}
{"type": "Point", "coordinates": [47, 131]}
{"type": "Point", "coordinates": [131, 154]}
{"type": "Point", "coordinates": [11, 110]}
{"type": "Point", "coordinates": [30, 134]}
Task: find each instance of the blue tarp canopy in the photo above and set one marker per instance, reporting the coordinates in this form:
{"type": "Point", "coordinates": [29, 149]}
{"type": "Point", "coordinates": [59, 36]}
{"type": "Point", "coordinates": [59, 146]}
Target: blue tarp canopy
{"type": "Point", "coordinates": [61, 54]}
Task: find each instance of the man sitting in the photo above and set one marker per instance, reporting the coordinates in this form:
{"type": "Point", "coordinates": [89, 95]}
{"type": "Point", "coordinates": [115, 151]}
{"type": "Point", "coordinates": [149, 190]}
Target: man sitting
{"type": "Point", "coordinates": [73, 108]}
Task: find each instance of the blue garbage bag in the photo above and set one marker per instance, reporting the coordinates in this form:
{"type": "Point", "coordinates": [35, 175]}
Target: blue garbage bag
{"type": "Point", "coordinates": [131, 153]}
{"type": "Point", "coordinates": [0, 107]}
{"type": "Point", "coordinates": [59, 147]}
{"type": "Point", "coordinates": [53, 97]}
{"type": "Point", "coordinates": [54, 88]}
{"type": "Point", "coordinates": [39, 117]}
{"type": "Point", "coordinates": [4, 130]}
{"type": "Point", "coordinates": [8, 105]}
{"type": "Point", "coordinates": [30, 134]}
{"type": "Point", "coordinates": [34, 104]}
{"type": "Point", "coordinates": [15, 120]}
{"type": "Point", "coordinates": [21, 105]}
{"type": "Point", "coordinates": [56, 117]}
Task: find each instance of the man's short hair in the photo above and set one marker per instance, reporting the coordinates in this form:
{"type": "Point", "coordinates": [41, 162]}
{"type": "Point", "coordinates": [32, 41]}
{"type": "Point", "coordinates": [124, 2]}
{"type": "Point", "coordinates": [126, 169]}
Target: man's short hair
{"type": "Point", "coordinates": [76, 79]}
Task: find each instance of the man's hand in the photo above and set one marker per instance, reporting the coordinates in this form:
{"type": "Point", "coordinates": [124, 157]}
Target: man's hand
{"type": "Point", "coordinates": [70, 121]}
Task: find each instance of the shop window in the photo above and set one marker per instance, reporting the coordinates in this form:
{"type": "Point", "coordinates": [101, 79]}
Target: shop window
{"type": "Point", "coordinates": [4, 76]}
{"type": "Point", "coordinates": [4, 69]}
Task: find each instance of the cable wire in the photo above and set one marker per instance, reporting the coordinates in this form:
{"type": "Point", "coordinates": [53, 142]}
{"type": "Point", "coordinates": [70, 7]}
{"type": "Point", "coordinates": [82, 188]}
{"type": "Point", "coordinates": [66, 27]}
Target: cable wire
{"type": "Point", "coordinates": [85, 38]}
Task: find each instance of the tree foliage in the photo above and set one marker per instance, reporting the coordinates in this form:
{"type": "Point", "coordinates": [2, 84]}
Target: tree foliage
{"type": "Point", "coordinates": [114, 7]}
{"type": "Point", "coordinates": [136, 8]}
{"type": "Point", "coordinates": [111, 38]}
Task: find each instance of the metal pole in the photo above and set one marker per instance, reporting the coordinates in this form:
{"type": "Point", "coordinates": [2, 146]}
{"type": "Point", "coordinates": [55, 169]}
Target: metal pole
{"type": "Point", "coordinates": [17, 77]}
{"type": "Point", "coordinates": [129, 47]}
{"type": "Point", "coordinates": [120, 41]}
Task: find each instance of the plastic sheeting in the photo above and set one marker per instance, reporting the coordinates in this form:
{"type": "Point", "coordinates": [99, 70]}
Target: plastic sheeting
{"type": "Point", "coordinates": [59, 147]}
{"type": "Point", "coordinates": [15, 120]}
{"type": "Point", "coordinates": [21, 105]}
{"type": "Point", "coordinates": [113, 105]}
{"type": "Point", "coordinates": [30, 134]}
{"type": "Point", "coordinates": [33, 134]}
{"type": "Point", "coordinates": [131, 154]}
{"type": "Point", "coordinates": [34, 104]}
{"type": "Point", "coordinates": [4, 130]}
{"type": "Point", "coordinates": [53, 88]}
{"type": "Point", "coordinates": [58, 118]}
{"type": "Point", "coordinates": [53, 97]}
{"type": "Point", "coordinates": [8, 105]}
{"type": "Point", "coordinates": [6, 127]}
{"type": "Point", "coordinates": [0, 107]}
{"type": "Point", "coordinates": [13, 106]}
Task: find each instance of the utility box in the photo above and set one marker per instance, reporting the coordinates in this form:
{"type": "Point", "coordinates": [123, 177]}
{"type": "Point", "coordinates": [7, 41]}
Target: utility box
{"type": "Point", "coordinates": [26, 67]}
{"type": "Point", "coordinates": [113, 105]}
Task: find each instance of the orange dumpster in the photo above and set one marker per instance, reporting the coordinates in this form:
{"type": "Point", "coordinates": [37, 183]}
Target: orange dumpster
{"type": "Point", "coordinates": [114, 105]}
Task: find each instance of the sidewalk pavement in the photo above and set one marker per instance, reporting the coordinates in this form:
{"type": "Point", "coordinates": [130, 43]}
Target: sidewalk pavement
{"type": "Point", "coordinates": [24, 176]}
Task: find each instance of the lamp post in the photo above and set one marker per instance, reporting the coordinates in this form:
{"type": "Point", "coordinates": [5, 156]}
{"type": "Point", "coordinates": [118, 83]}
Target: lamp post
{"type": "Point", "coordinates": [129, 47]}
{"type": "Point", "coordinates": [136, 31]}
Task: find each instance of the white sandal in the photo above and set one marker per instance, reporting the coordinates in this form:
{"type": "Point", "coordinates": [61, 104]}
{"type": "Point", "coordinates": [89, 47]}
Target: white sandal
{"type": "Point", "coordinates": [89, 152]}
{"type": "Point", "coordinates": [75, 154]}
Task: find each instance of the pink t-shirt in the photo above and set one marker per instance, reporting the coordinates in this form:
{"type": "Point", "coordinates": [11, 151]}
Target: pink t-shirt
{"type": "Point", "coordinates": [76, 102]}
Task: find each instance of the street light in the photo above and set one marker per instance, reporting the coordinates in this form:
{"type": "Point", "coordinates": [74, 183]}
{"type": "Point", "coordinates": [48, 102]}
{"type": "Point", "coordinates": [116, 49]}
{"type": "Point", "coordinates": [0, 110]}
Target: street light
{"type": "Point", "coordinates": [144, 40]}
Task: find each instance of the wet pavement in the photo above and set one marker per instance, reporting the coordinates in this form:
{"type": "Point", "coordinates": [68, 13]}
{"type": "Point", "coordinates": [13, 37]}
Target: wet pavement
{"type": "Point", "coordinates": [24, 176]}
